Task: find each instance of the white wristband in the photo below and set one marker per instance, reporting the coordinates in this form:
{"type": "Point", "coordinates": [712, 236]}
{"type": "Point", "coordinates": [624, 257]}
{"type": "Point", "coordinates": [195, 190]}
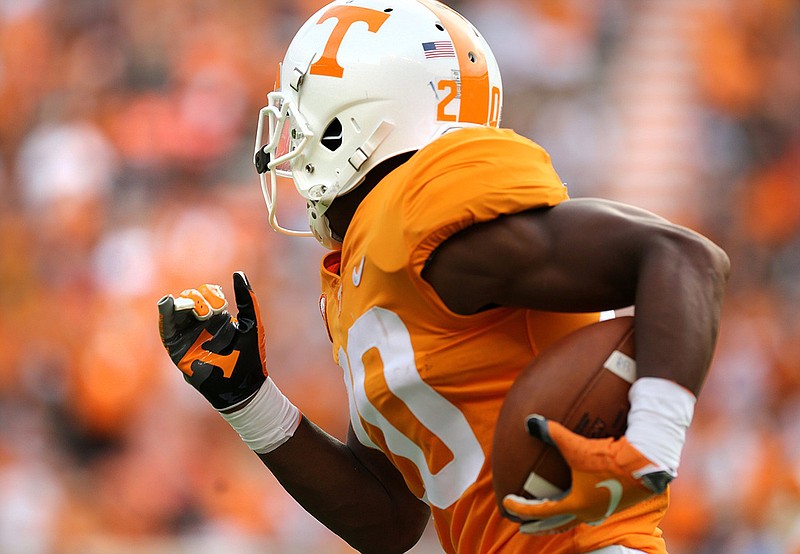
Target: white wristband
{"type": "Point", "coordinates": [661, 412]}
{"type": "Point", "coordinates": [268, 420]}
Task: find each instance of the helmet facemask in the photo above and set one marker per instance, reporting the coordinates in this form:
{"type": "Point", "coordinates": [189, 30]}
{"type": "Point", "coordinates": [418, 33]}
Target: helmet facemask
{"type": "Point", "coordinates": [288, 135]}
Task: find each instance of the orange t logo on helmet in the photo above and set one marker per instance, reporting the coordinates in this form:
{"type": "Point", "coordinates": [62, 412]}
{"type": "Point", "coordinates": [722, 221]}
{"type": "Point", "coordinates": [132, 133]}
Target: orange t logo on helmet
{"type": "Point", "coordinates": [346, 16]}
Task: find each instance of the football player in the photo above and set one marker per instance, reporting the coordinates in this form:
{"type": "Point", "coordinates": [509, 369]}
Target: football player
{"type": "Point", "coordinates": [456, 257]}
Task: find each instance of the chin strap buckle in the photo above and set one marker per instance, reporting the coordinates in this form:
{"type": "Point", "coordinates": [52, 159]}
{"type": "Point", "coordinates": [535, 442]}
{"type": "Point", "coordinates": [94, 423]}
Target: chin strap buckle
{"type": "Point", "coordinates": [366, 150]}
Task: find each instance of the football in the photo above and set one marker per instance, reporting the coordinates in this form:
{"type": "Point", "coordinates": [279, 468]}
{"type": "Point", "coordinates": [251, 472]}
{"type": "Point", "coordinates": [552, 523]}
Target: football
{"type": "Point", "coordinates": [582, 381]}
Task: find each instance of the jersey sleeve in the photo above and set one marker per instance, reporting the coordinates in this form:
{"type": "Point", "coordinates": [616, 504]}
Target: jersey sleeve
{"type": "Point", "coordinates": [472, 178]}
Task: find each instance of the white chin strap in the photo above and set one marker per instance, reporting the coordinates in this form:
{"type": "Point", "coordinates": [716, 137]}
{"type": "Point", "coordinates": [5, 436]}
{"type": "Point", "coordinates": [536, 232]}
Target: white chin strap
{"type": "Point", "coordinates": [319, 224]}
{"type": "Point", "coordinates": [322, 231]}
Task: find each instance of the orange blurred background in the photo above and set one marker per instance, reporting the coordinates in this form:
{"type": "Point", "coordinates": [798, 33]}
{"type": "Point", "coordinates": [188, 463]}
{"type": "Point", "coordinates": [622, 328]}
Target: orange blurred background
{"type": "Point", "coordinates": [126, 137]}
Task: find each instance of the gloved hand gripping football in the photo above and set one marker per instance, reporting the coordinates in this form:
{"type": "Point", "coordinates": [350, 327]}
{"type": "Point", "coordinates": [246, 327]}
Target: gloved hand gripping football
{"type": "Point", "coordinates": [608, 476]}
{"type": "Point", "coordinates": [221, 356]}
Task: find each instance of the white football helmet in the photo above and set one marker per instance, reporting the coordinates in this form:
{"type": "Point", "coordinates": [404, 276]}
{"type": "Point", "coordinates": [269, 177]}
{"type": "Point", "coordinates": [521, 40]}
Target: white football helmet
{"type": "Point", "coordinates": [363, 81]}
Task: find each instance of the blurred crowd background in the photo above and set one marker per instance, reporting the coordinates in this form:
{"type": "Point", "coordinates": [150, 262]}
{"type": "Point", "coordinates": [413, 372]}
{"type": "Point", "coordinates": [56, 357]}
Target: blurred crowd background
{"type": "Point", "coordinates": [126, 137]}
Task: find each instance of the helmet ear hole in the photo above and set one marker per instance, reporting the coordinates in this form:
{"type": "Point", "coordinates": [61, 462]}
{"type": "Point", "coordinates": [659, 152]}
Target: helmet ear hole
{"type": "Point", "coordinates": [332, 136]}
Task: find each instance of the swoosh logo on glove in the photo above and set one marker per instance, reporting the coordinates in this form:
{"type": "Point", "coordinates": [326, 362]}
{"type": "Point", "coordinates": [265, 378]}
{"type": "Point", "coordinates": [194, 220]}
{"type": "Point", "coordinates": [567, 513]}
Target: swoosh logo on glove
{"type": "Point", "coordinates": [226, 362]}
{"type": "Point", "coordinates": [615, 495]}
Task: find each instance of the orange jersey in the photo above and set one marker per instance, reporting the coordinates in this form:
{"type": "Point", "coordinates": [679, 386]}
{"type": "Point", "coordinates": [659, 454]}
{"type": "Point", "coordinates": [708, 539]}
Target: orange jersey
{"type": "Point", "coordinates": [425, 385]}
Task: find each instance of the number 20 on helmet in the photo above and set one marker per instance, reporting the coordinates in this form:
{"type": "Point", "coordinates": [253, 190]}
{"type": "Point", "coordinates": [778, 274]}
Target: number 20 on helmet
{"type": "Point", "coordinates": [363, 81]}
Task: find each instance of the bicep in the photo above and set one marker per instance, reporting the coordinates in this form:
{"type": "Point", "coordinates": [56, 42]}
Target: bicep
{"type": "Point", "coordinates": [594, 255]}
{"type": "Point", "coordinates": [579, 256]}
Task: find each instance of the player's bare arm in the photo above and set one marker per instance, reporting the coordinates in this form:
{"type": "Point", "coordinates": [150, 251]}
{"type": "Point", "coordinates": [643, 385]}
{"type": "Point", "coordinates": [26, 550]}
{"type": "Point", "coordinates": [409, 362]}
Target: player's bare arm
{"type": "Point", "coordinates": [350, 488]}
{"type": "Point", "coordinates": [592, 255]}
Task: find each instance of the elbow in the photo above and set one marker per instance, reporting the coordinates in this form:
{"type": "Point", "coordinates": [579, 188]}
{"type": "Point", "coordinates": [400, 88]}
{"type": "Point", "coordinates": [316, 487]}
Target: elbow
{"type": "Point", "coordinates": [716, 263]}
{"type": "Point", "coordinates": [403, 539]}
{"type": "Point", "coordinates": [406, 542]}
{"type": "Point", "coordinates": [723, 263]}
{"type": "Point", "coordinates": [395, 537]}
{"type": "Point", "coordinates": [709, 262]}
{"type": "Point", "coordinates": [389, 543]}
{"type": "Point", "coordinates": [413, 529]}
{"type": "Point", "coordinates": [714, 260]}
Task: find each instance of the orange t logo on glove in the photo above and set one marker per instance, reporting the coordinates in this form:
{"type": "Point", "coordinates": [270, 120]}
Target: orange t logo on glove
{"type": "Point", "coordinates": [226, 362]}
{"type": "Point", "coordinates": [608, 476]}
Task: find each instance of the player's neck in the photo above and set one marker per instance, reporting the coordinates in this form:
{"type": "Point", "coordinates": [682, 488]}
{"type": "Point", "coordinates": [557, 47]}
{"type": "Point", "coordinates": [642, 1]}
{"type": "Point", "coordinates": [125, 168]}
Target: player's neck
{"type": "Point", "coordinates": [341, 211]}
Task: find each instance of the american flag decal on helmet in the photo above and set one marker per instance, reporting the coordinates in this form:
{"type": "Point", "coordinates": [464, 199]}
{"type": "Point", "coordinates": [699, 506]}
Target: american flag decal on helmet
{"type": "Point", "coordinates": [439, 49]}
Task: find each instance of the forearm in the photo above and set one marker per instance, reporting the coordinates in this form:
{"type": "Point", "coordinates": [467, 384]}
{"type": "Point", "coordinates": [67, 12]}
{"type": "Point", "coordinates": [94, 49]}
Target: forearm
{"type": "Point", "coordinates": [678, 302]}
{"type": "Point", "coordinates": [372, 513]}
